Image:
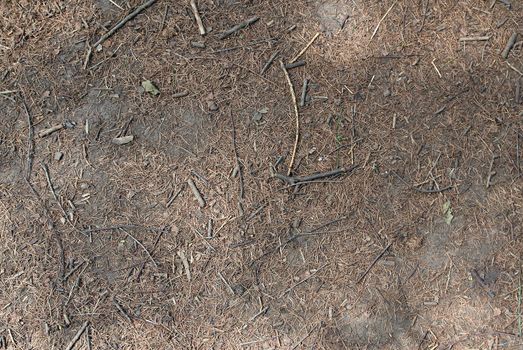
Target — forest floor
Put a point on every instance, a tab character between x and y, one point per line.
414	242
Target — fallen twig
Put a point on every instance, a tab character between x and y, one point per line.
269	62
117	227
514	69
77	336
382	19
238	163
294	64
510	44
30	140
297	113
299	54
53	192
114	29
474	38
491	172
196	13
297	180
422	190
304	92
141	245
238	27
303	280
122	310
196	193
49	131
376	259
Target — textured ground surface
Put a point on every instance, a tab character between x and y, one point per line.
419	247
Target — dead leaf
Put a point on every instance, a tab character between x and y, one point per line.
448	216
149	87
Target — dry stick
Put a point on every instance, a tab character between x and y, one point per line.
474	38
304	92
77	336
196	13
30	140
141	245
295	64
152	252
376	259
295	58
173	198
238	164
303	280
310	233
510	44
491	173
237	27
122	310
296	180
422	190
514	69
293	95
269	62
49	131
382	19
117	227
196	193
518	162
53	192
115	29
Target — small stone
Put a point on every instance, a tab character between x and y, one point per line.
58	156
84	186
198	44
257	116
386	93
212	106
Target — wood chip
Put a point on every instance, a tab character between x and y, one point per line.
123	140
49	131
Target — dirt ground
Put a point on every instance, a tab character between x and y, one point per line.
417	244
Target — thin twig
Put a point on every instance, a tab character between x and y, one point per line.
141	245
123	22
422	190
116	28
238	27
376	259
53	192
514	69
299	54
196	192
77	336
238	163
269	62
304	92
297	113
30	140
117	227
510	44
196	13
382	19
303	280
296	180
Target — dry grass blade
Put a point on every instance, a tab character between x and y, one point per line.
297	115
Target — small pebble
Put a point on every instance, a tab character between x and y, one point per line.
58	156
84	186
386	93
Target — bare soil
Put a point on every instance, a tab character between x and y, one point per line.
418	247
